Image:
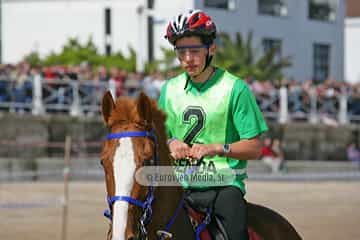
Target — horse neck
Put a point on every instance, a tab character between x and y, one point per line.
163	149
169	194
166	202
168	198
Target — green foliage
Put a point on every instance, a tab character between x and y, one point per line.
34	59
169	63
238	56
74	53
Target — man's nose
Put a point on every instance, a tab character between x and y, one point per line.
188	56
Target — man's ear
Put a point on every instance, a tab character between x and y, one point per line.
212	49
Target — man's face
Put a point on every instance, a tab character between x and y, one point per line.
191	53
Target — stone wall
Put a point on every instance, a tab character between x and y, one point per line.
301	141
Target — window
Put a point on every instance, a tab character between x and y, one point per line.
321	61
273	7
270	43
222	4
322	10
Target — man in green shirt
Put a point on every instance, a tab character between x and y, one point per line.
212	116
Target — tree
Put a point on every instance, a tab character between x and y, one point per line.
239	57
75	53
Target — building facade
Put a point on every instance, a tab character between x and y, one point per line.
311	31
352	40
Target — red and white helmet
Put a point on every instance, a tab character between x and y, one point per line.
192	23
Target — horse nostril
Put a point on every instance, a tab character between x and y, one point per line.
131	238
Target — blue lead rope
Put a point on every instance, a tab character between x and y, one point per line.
201	227
172	220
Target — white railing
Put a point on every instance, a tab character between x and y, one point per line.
76	98
40	96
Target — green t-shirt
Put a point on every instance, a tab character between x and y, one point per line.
221	110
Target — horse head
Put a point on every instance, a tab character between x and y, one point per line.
134	125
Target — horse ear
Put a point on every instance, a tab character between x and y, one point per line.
107	106
144	107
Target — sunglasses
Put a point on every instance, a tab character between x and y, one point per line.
192	50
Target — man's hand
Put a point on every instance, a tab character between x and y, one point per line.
179	149
205	150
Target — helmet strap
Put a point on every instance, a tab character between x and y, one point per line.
207	63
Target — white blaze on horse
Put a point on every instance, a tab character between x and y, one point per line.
137	138
123	176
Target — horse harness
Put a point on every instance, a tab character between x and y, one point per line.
147	204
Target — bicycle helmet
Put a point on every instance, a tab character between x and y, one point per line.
192	23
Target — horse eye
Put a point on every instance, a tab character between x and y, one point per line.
101	162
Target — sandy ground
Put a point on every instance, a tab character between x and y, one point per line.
318	210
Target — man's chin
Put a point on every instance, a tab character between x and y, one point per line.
192	73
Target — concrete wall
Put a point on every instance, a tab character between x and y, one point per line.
302	141
25	136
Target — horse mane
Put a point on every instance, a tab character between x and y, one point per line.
158	121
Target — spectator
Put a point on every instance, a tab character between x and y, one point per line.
102	74
353	154
279	153
272	155
119	79
73	72
133	83
149	87
152	84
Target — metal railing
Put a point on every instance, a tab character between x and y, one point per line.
39	96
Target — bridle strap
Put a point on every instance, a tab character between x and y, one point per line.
151	134
112	200
146	205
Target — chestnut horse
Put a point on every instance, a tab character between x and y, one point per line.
137	138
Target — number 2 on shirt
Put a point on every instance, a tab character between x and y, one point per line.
198	113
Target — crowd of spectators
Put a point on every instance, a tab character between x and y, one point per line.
300	93
15	85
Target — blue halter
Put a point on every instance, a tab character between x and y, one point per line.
151	134
147	204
